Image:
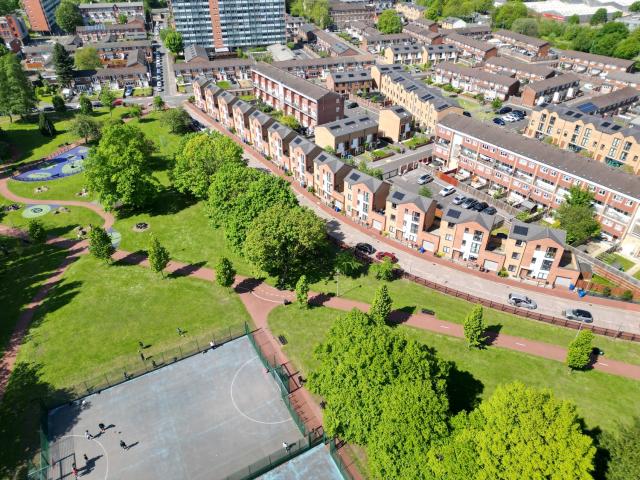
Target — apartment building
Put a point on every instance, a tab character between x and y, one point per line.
226	100
13	31
376	43
470	49
229	24
343	13
292	26
41	14
570	129
435	54
329	174
592	64
321	67
381	70
136	76
229	69
525	72
479	32
395	123
612	103
116	54
259	124
39	57
211	94
349	136
427	105
554	89
359	29
134	30
302	154
616	80
350	82
406	54
410	11
528	48
310	104
409	216
528	169
280	138
241	120
476	81
96	13
366	198
423	34
334	46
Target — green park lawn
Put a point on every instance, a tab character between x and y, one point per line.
64	188
412	297
602	399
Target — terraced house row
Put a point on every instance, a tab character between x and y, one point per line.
529	252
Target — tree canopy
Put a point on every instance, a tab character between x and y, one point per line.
525	26
87	58
86	127
474	327
16	93
100	245
578	221
86	107
316	11
381	305
624	451
599	16
225	273
158	256
173	41
63	64
389	22
580	348
505	15
119	167
68	16
177	119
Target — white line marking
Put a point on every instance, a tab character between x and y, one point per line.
443	326
603	364
233	400
521	344
106	455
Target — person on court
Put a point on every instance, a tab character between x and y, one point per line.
88	435
102	427
123	445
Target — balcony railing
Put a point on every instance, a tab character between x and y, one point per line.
611	213
545	186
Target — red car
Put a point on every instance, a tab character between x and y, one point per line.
117	102
382	255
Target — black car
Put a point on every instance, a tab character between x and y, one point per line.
490	211
521	113
352	105
365	248
480	206
504	110
466	114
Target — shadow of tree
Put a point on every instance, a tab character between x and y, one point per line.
463	390
492	332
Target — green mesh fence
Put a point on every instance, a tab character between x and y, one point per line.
333	451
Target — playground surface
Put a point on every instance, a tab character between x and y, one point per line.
63	165
205	417
315	464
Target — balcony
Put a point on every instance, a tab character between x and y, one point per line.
545	186
524	176
618	216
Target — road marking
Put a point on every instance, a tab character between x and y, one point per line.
603	364
443	326
521	344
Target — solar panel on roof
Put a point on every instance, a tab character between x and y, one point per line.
350	123
615	128
606	124
453	213
398	195
587	107
520	230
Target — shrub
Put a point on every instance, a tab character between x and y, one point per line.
503	273
627	295
606	291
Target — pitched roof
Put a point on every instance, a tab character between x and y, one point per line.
301	86
309	148
477	74
357	75
531	68
553	82
262	118
285	133
398	110
357	176
349	125
592	57
325	62
457	215
470	42
626	94
531	231
195	53
519	37
399	196
330	161
588	169
424	93
244	107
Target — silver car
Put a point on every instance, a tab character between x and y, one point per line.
519	300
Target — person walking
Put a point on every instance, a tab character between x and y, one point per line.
86	459
74	470
88	435
123	445
142	356
102	427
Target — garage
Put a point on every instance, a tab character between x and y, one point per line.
377	225
563	282
428	246
491	266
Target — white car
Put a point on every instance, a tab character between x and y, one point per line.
446	191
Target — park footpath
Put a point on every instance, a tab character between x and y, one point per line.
612	314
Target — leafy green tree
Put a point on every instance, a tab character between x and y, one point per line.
496	104
177	119
86	127
158	103
302	292
58	103
414	416
158	256
346	263
284	242
578	221
100	245
384	270
123	19
46	126
198	157
584	39
381	305
290	121
624	451
599	17
573	19
627	49
173	42
37	232
525	26
474	328
634	7
579	197
68	16
16	93
505	15
389	22
86	107
605	45
425	191
119	168
8	6
579	352
519	432
107	98
87	58
358	361
135	111
225	273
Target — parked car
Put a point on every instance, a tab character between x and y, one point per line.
466	114
446	191
504	110
426	178
578	314
468	203
96	104
382	255
519	300
48	109
519	112
499	121
128	91
490	210
365	248
510	118
480	206
117	102
352	105
458	199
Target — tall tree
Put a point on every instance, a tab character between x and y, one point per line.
519	432
135	111
579	197
384	270
87	58
158	103
122	18
599	16
624	451
578	221
474	327
16	93
158	256
68	16
100	245
173	42
119	168
505	15
8	6
107	97
46	126
86	127
63	64
58	103
302	292
525	26
389	22
86	107
225	273
579	352
177	119
37	232
285	242
198	157
381	305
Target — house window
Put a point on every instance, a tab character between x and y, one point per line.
446	249
519	243
511	268
448	237
515	255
